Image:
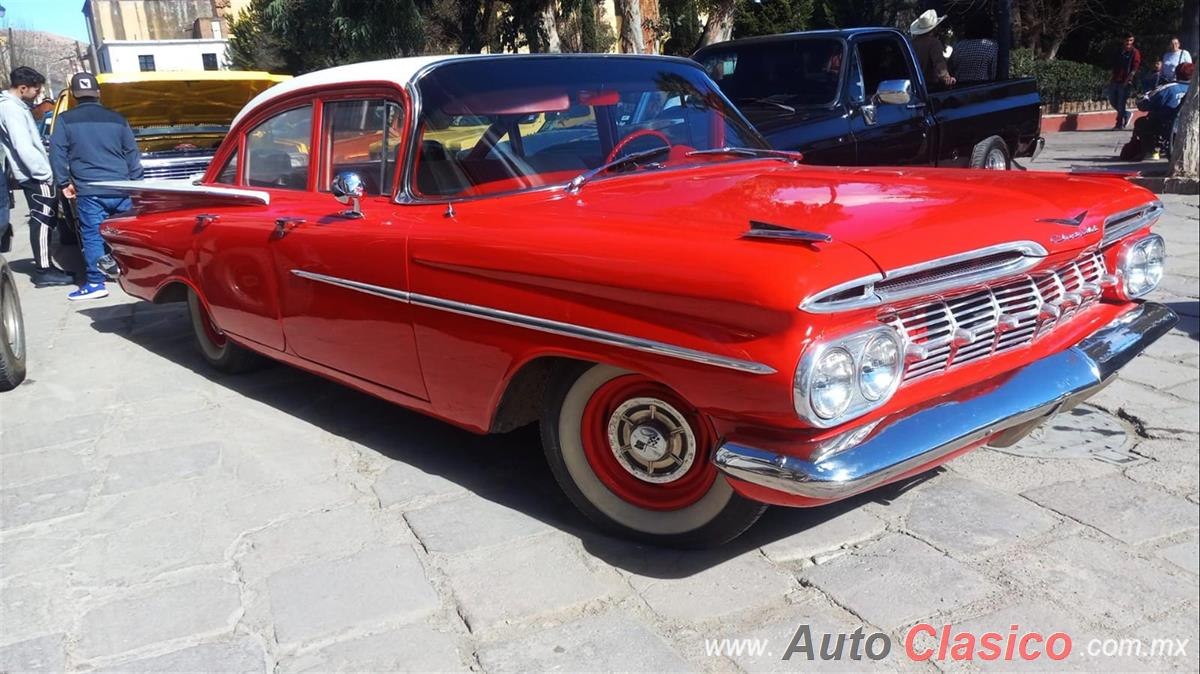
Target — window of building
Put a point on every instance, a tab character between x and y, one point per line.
210	61
216	29
146	63
277	151
362	136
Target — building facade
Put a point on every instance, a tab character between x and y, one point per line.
157	35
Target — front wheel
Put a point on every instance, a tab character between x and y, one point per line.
636	458
992	154
216	348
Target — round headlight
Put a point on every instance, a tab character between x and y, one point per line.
880	367
832	385
1141	265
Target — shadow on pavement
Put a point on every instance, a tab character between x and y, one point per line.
1189	317
507	469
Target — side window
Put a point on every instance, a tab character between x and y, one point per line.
882	59
363	137
229	172
277	151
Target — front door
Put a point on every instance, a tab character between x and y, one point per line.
886	134
342	278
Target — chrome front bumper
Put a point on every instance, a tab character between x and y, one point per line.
868	456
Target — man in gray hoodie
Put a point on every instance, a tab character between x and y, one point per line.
30	168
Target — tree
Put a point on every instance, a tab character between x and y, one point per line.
1185	147
774	16
719	26
630	14
251	45
1043	25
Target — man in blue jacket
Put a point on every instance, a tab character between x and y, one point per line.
91	144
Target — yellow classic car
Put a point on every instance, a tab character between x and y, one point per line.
178	118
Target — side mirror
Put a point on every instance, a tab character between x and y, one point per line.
347	188
894	92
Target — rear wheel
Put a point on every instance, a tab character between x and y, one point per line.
992	154
216	348
12	332
636	458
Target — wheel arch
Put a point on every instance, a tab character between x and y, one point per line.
523	392
175	290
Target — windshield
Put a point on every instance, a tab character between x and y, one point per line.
777	74
487	127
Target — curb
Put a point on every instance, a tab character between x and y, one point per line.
1100	120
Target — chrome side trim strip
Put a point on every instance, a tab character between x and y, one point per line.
1031	251
1121	224
866	457
543	324
378	291
590	334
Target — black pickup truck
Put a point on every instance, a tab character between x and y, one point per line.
856	97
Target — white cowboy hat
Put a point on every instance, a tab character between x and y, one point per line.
926	22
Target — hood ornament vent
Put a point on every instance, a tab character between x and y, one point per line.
1126	222
943	275
766	230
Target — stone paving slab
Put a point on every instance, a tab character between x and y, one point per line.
158	516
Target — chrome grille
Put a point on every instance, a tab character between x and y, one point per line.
952	331
175	170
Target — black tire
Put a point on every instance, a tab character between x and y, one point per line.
12	332
218	350
718	514
991	153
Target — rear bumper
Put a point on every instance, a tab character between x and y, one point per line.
924	436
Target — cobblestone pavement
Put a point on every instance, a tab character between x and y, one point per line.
159	516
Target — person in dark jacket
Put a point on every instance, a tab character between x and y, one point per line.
930	52
974	59
92	144
1125	66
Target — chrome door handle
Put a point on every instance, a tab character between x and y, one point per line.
205	219
285	225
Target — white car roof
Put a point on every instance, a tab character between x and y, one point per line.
398	71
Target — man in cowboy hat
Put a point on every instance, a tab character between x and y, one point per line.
931	54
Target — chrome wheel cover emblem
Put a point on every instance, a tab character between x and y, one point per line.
651	440
995	161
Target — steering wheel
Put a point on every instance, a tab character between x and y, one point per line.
641	133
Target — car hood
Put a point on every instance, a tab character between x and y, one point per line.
898	217
170	98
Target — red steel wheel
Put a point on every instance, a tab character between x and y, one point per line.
647	445
635	457
214	346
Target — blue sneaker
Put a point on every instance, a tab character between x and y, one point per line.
89	291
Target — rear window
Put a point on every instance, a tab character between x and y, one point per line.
793	72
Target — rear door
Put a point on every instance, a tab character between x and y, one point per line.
887	134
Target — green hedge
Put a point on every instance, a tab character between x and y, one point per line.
1060	81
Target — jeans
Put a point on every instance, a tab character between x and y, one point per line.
94	210
1118	96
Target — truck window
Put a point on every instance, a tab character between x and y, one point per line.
790	72
880	59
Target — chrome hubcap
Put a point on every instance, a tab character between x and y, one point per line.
651	440
995	161
12	322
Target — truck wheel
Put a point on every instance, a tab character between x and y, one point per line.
636	459
12	332
217	349
992	154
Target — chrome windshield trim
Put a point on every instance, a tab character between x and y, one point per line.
378	291
542	324
1122	224
1031	251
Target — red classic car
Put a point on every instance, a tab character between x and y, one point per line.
702	325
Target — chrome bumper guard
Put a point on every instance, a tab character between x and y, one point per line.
1038	146
868	456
